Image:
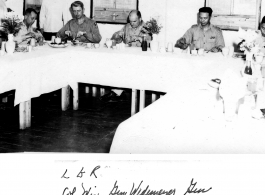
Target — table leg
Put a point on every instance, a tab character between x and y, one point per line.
87	89
94	91
102	91
65	98
4	100
142	99
28	113
25	114
75	97
154	97
134	102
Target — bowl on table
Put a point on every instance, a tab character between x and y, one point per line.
60	45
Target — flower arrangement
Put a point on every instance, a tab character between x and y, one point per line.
11	24
252	50
151	27
248	44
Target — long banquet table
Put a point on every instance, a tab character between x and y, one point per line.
187	125
47	69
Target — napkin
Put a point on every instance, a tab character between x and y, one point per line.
232	87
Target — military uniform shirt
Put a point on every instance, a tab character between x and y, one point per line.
207	40
89	26
128	33
260	41
20	38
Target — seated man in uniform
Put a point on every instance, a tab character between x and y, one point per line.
259	111
130	34
27	31
80	28
260	41
204	35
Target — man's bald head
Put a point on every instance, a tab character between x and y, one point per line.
135	18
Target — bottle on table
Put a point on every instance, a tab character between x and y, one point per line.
41	41
248	69
144	44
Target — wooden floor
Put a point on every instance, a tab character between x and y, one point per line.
90	129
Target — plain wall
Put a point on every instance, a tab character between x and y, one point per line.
15	5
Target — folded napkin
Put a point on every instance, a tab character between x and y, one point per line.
232	87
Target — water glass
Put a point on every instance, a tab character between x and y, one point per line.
201	52
32	42
29	48
225	51
170	47
231	51
41	43
89	45
194	52
53	39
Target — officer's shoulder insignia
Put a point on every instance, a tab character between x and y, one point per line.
194	26
217	28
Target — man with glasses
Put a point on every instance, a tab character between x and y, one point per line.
80	28
204	35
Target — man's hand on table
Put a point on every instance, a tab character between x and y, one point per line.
80	33
215	50
30	35
181	43
68	33
120	33
137	38
131	39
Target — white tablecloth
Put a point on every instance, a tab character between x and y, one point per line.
48	69
187	124
32	74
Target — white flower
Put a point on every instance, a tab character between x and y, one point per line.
14	15
249	36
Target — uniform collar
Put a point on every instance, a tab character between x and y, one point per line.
140	25
84	17
26	27
210	26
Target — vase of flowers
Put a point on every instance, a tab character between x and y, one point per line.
250	47
10	44
153	29
10	26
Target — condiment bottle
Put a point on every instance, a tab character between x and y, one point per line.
248	69
144	44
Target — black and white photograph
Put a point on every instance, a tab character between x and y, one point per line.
105	78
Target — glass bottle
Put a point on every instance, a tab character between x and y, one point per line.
144	44
248	69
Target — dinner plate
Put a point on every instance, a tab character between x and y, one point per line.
58	46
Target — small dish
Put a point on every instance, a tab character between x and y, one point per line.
58	45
